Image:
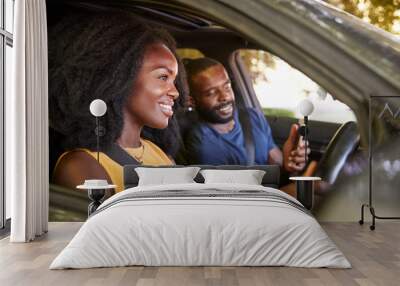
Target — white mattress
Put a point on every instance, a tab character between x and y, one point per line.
183	231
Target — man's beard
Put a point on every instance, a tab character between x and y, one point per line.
212	116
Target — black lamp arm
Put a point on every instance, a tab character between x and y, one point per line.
97	139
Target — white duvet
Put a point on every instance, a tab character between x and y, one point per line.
183	231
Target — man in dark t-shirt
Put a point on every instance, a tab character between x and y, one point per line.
218	137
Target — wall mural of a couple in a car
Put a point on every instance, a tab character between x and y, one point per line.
143	83
162	109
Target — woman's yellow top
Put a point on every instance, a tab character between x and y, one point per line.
148	154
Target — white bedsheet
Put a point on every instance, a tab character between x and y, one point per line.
200	231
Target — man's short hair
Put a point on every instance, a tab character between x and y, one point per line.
196	66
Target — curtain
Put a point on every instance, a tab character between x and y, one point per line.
27	122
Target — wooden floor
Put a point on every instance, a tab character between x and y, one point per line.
375	257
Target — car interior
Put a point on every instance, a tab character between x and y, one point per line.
196	33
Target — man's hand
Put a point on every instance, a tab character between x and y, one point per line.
294	151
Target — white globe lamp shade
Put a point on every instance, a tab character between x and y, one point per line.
306	107
98	107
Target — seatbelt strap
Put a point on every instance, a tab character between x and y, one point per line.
248	135
119	155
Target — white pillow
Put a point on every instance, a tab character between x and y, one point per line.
248	177
164	176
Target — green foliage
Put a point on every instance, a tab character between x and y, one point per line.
256	61
279	112
384	14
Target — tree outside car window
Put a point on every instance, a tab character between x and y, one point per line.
384	14
269	74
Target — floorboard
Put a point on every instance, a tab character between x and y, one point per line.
374	255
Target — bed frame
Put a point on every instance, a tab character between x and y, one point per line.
270	179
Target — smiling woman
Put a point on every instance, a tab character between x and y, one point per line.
129	65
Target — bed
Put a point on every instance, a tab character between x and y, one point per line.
201	224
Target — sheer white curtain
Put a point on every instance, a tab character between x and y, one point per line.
27	123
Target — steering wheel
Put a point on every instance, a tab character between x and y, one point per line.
342	144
